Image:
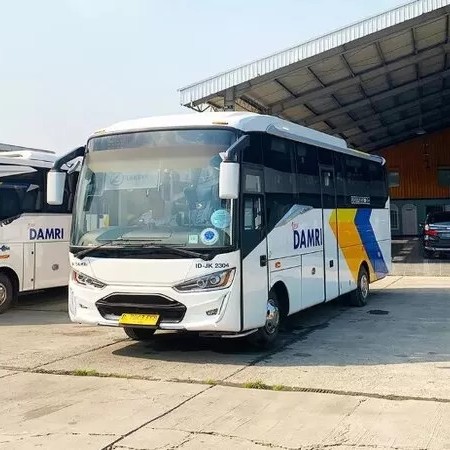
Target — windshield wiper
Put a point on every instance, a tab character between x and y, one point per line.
80	254
176	250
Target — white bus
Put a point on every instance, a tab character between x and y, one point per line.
34	236
221	223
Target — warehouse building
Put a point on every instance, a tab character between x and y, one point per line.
381	84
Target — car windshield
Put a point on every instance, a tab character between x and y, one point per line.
156	186
441	217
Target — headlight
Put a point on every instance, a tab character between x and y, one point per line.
86	280
212	281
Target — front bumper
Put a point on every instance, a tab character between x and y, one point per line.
437	249
211	311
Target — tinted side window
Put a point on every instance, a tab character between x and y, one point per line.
307	175
325	156
253	153
442	217
357	181
340	179
279	178
328	188
21	193
278	154
378	189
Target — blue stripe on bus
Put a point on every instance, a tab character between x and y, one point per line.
369	240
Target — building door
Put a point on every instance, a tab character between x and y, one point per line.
409	220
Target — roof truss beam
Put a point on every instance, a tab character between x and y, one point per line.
408	134
381	96
387	112
371	133
357	79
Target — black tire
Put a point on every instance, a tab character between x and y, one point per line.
139	334
267	335
7	294
428	254
360	295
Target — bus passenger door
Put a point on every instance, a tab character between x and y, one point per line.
28	266
330	238
254	262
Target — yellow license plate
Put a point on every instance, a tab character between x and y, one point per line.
139	319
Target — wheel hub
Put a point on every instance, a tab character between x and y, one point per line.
364	286
273	317
2	294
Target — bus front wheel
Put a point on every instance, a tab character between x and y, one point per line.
139	334
267	335
6	293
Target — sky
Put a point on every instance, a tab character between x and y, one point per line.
69	67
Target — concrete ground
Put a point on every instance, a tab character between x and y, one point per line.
374	377
408	260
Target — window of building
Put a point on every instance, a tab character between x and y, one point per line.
394	218
394	178
444	176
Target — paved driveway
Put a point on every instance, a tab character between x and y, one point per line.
408	260
374	377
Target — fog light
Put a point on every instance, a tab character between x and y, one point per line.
72	304
212	312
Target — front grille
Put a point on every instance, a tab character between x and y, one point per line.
118	304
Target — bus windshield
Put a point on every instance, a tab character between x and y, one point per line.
154	186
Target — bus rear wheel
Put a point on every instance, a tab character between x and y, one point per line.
6	293
360	295
139	334
267	335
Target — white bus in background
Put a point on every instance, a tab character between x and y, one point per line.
34	236
221	223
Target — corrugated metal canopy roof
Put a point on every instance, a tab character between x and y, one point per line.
374	83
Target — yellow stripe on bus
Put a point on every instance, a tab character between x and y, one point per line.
349	241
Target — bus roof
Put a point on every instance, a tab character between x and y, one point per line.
32	158
244	121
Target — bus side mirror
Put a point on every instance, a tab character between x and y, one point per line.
55	187
229	180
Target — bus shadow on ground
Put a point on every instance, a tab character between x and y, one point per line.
48	300
38	308
397	326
